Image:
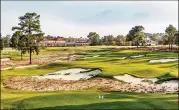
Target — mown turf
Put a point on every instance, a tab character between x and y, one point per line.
88	100
111	64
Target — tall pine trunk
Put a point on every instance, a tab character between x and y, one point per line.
30	55
137	44
21	54
171	46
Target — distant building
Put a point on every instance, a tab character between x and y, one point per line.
52	42
150	42
82	42
59	41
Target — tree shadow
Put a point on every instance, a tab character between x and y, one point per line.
111	100
107	105
54	65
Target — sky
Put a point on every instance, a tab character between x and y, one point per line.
78	18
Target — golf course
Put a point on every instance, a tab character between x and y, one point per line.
70	55
111	60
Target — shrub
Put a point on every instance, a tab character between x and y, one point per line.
67	74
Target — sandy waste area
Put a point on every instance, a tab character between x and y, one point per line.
80	79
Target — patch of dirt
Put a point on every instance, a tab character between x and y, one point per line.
35	84
39	61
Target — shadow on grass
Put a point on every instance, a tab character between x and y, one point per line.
55	65
107	105
166	77
100	51
170	66
111	100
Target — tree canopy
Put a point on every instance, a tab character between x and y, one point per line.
120	40
170	35
108	40
94	38
29	26
6	40
136	35
1	44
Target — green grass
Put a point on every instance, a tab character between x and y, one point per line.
111	64
87	100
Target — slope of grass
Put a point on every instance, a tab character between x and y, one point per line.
88	100
110	63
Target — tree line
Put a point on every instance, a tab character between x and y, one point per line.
135	37
28	34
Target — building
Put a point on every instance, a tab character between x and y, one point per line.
150	42
82	42
52	42
60	42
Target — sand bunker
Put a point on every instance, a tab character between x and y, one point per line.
166	87
105	84
71	57
71	74
63	57
162	60
134	80
26	66
5	59
6	68
77	55
96	56
171	83
137	56
91	57
123	58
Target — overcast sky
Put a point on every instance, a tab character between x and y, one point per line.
78	18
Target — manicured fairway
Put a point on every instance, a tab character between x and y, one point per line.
109	60
87	100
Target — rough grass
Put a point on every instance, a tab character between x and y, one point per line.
110	63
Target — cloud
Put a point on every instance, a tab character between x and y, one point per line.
141	15
78	18
106	12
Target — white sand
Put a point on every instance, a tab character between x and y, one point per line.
63	57
137	56
162	60
71	71
168	86
92	57
77	56
6	68
96	56
133	80
172	83
71	74
5	59
123	58
26	66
